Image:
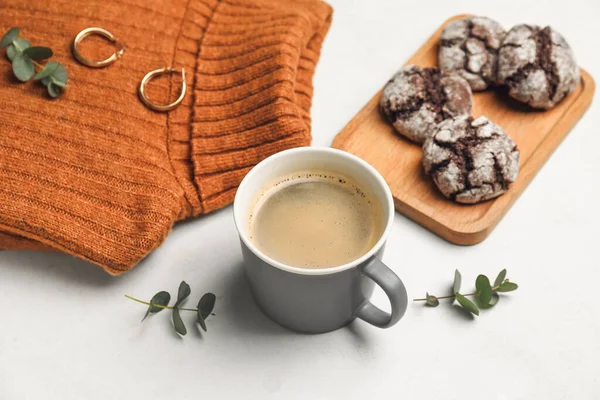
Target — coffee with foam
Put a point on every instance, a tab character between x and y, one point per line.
315	220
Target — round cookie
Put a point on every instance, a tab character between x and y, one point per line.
416	99
469	47
538	66
471	160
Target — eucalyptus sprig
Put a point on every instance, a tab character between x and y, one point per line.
161	300
24	59
486	295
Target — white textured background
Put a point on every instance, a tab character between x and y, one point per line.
67	332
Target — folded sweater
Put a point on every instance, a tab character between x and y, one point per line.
97	174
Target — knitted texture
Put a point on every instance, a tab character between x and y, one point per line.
98	175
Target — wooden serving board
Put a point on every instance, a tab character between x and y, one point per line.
537	133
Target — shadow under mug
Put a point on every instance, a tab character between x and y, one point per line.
319	300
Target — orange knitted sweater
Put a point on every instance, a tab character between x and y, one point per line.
98	175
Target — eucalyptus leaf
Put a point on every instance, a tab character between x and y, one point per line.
183	293
23	67
59	83
200	319
22	44
162	299
493	300
500	278
431	301
47	71
467	304
38	52
457	282
484	289
508	287
9	37
178	322
45	81
53	90
206	304
60	74
11	51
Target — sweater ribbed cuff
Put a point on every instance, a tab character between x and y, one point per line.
250	94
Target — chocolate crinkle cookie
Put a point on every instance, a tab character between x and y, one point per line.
416	99
538	66
469	46
471	160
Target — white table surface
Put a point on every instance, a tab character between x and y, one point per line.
67	332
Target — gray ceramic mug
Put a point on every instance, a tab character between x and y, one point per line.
319	300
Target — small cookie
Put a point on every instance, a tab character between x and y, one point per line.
416	99
471	160
469	47
538	66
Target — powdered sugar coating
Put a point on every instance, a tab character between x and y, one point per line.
416	99
469	47
538	66
471	160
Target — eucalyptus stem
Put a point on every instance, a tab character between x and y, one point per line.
158	305
26	63
160	301
486	295
453	296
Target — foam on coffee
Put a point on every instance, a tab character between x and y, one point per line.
315	220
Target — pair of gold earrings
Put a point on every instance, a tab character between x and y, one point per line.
115	56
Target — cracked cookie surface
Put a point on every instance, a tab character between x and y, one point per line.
471	160
416	99
538	66
469	47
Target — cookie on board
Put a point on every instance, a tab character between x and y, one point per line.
538	66
471	160
469	47
416	99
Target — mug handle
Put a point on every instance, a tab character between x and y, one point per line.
393	287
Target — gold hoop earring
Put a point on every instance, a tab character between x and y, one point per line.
102	32
152	74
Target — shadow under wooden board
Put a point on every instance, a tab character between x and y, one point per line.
537	133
